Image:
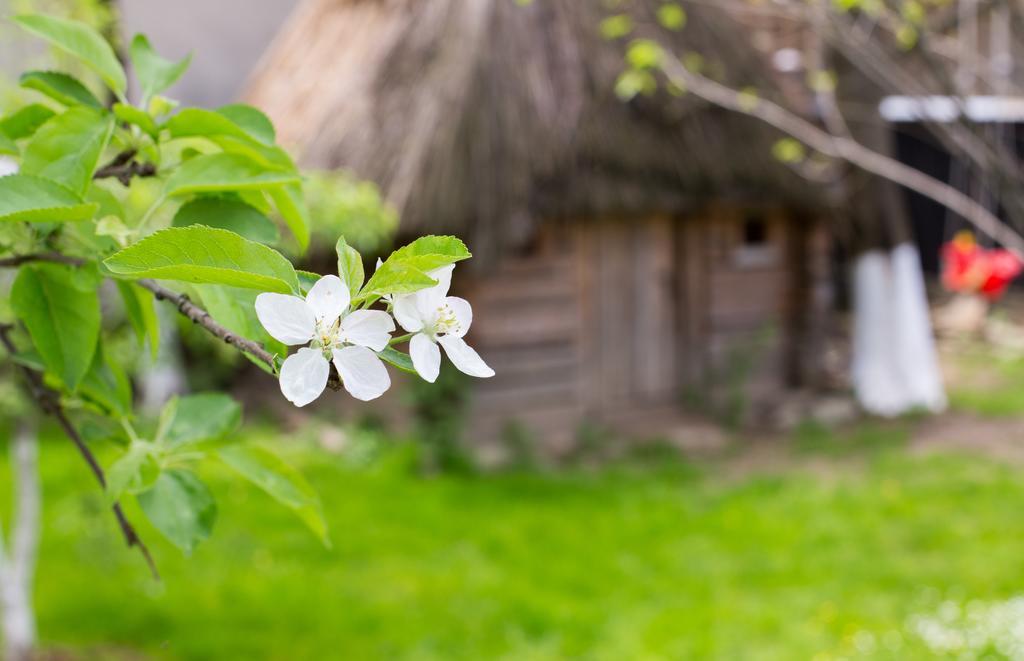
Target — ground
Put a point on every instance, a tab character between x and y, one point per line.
883	540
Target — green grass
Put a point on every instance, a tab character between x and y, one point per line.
987	383
617	564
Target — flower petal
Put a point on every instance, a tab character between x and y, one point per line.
426	357
304	376
328	299
407	313
463	312
287	318
465	357
362	372
367	328
430	299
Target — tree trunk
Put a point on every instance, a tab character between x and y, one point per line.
17	568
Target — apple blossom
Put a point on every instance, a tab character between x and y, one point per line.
347	337
436	318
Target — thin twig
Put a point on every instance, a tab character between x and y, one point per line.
18	260
182	302
201	317
845	149
123	167
49	402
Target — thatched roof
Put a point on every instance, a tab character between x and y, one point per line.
483	117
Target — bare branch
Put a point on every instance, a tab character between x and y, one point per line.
18	260
123	167
49	402
845	149
201	317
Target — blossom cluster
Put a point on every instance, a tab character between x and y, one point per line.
333	332
967	268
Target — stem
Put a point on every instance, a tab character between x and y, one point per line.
400	339
201	317
129	429
49	402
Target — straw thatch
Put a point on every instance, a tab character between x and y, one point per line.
486	117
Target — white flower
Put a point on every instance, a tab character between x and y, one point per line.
437	318
349	338
8	166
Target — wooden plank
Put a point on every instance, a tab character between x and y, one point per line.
615	311
694	290
654	333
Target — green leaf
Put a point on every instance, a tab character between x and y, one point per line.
61	311
135	471
107	386
204	417
229	214
141	310
395	277
251	120
81	41
181	507
350	266
8	146
132	115
155	73
672	16
400	360
431	252
224	172
200	123
26	121
200	254
62	88
292	207
25	198
67	148
282	482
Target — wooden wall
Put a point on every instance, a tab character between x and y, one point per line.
613	321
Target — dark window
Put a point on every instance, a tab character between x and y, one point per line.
755	231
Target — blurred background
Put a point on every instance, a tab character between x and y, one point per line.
759	392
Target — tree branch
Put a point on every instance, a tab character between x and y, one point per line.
845	149
49	402
123	167
201	317
18	260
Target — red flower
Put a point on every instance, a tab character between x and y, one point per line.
969	269
1003	267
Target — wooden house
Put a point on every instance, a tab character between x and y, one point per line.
631	256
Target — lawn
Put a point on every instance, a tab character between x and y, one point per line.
849	559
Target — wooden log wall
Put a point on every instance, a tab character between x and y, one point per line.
606	320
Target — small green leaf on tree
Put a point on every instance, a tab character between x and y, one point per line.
228	213
68	147
32	199
200	254
202	418
350	266
137	117
80	41
141	311
225	172
181	507
251	120
61	311
62	88
154	72
25	122
282	482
